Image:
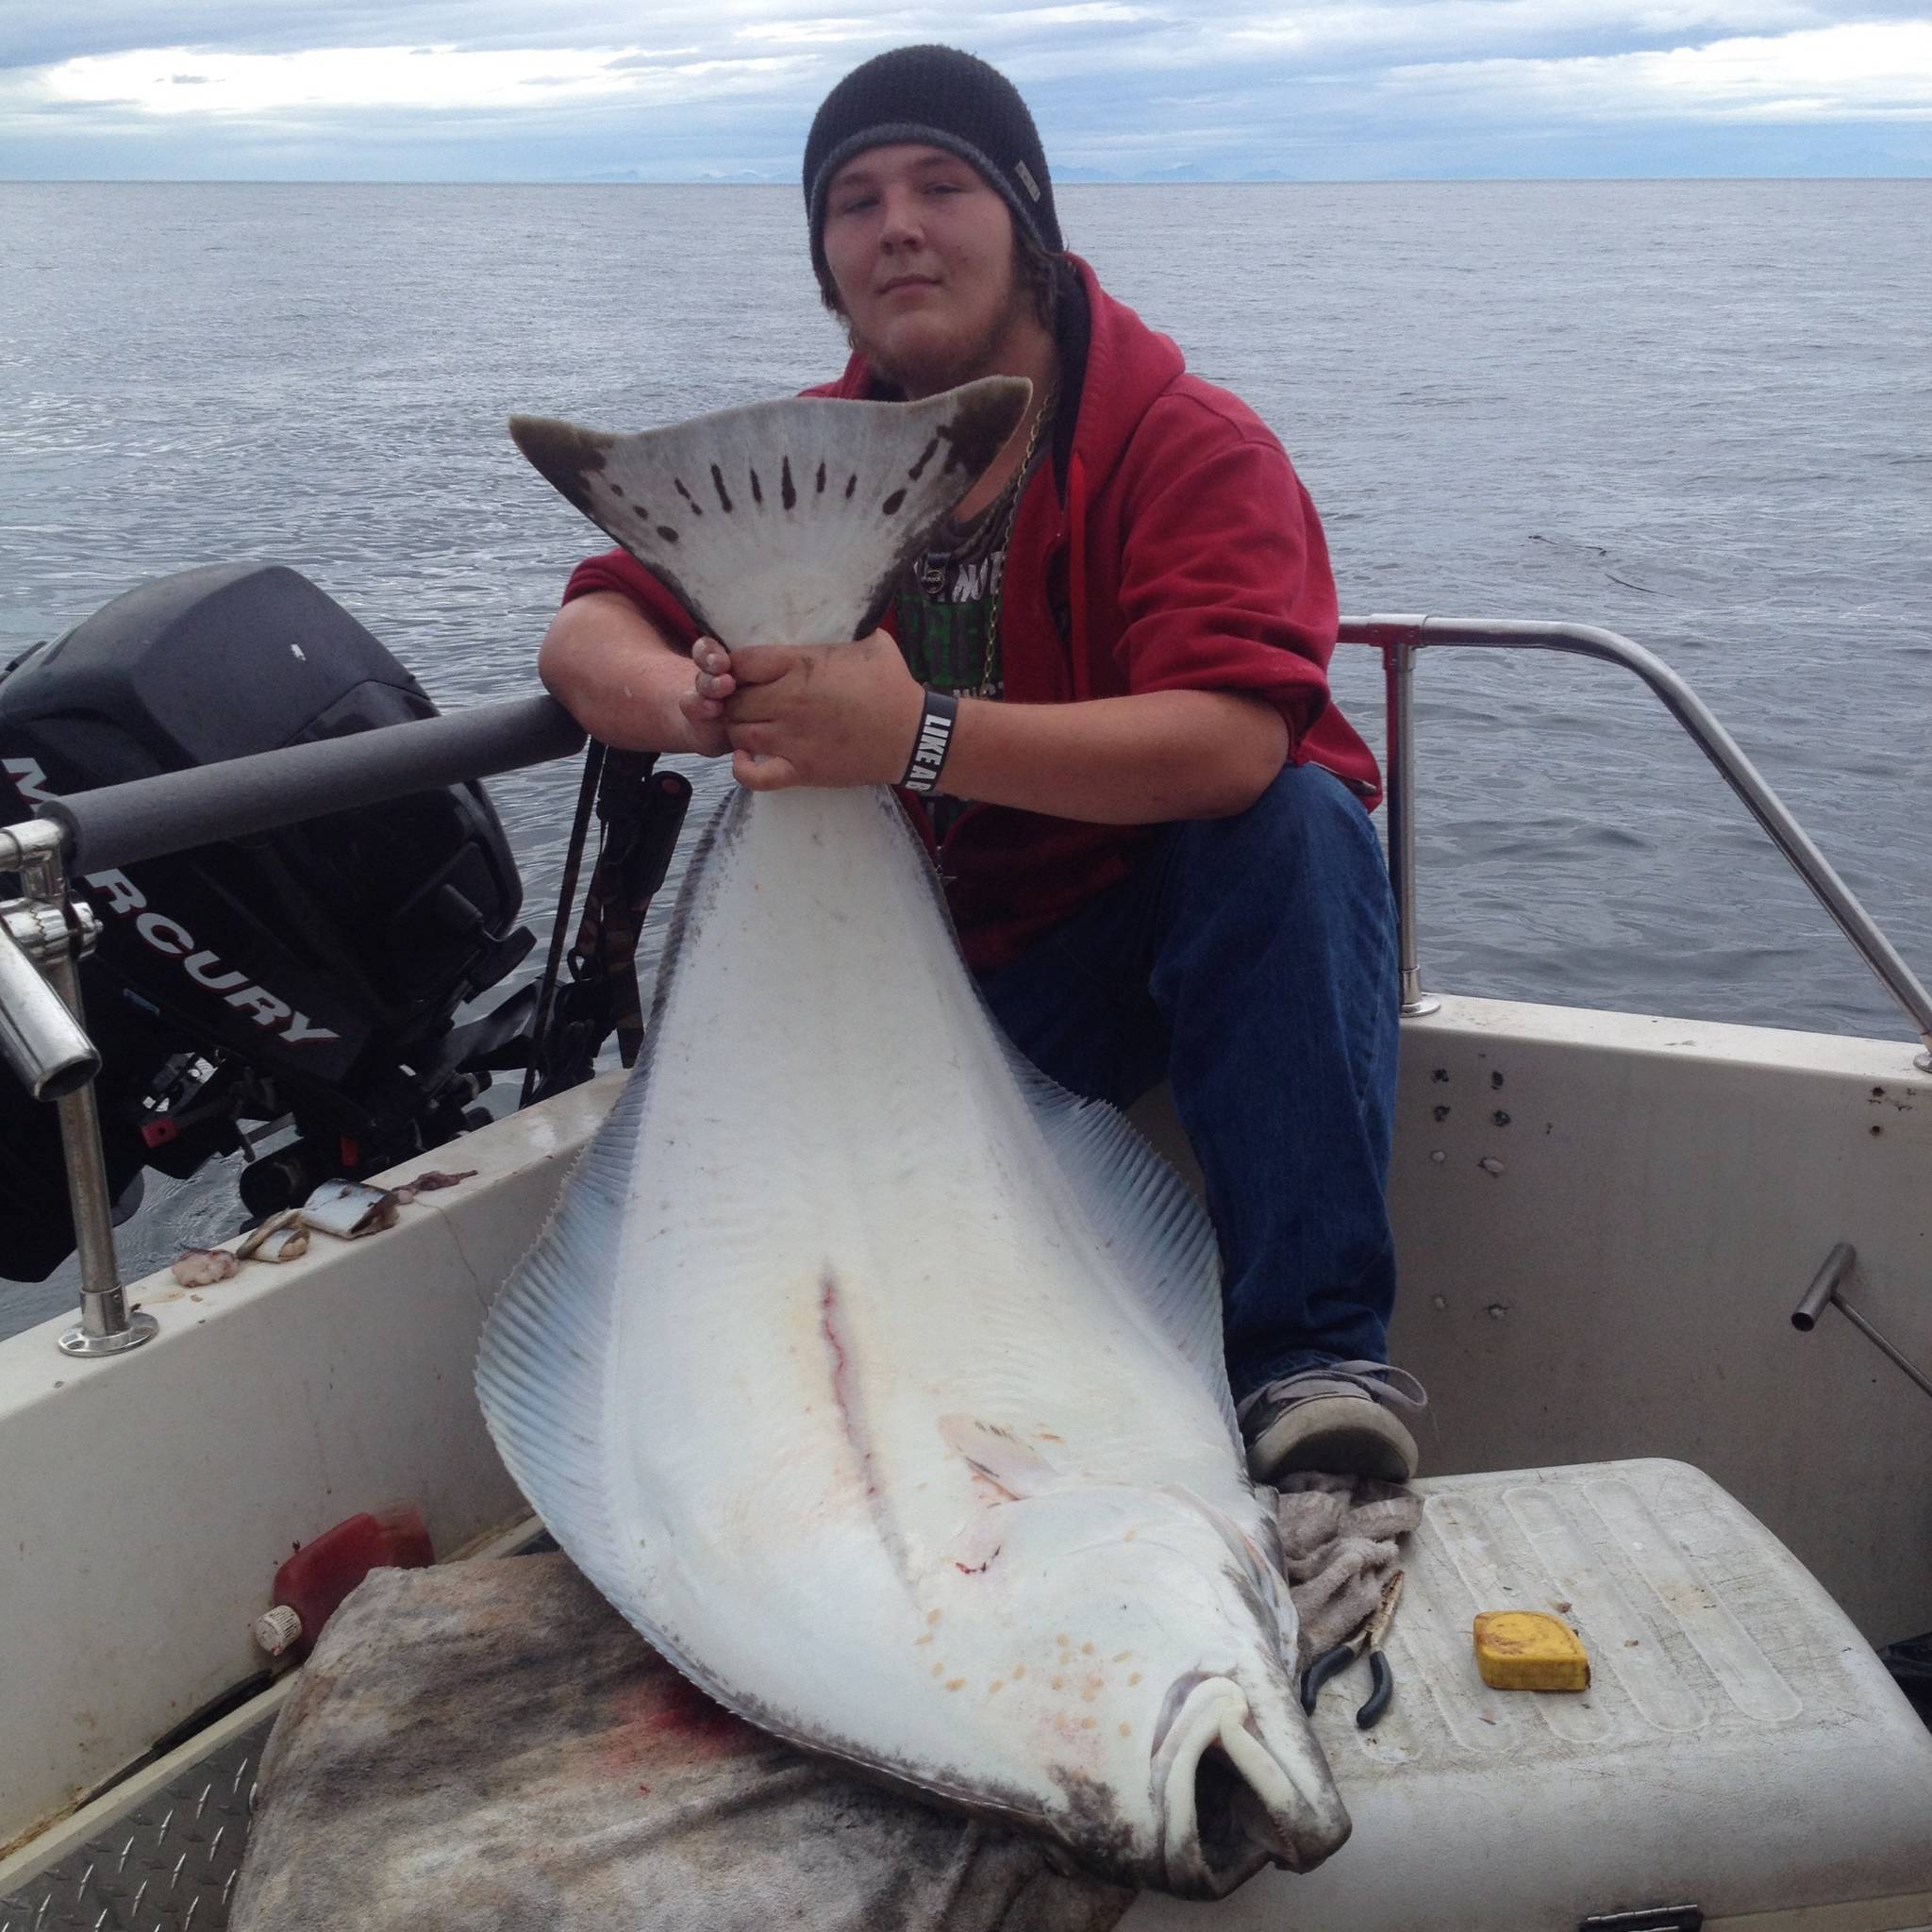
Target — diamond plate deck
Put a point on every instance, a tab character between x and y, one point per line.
168	1866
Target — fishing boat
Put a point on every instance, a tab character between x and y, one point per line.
1669	1282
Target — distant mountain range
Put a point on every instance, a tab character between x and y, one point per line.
754	177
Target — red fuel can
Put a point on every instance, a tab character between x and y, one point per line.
313	1582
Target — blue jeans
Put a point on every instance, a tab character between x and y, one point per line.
1251	961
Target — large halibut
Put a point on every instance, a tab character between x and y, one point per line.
874	1378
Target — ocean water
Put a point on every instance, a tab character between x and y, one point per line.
1698	412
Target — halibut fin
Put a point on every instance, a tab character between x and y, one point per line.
541	1365
1146	1216
786	523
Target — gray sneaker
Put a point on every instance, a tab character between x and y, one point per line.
1337	1418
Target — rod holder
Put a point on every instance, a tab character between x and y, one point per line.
1824	1293
42	937
1825	1288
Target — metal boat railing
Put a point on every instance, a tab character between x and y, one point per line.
1400	638
43	933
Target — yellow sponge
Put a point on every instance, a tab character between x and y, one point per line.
1524	1650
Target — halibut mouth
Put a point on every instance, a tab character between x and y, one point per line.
1228	1805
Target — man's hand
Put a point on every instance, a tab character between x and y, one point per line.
810	714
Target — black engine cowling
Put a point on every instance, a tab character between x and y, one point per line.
312	972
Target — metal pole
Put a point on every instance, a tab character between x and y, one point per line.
40	1038
1396	637
106	1326
1718	745
176	811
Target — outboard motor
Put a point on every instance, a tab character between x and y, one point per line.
313	973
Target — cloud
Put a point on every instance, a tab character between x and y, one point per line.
808	33
728	86
1848	73
377	79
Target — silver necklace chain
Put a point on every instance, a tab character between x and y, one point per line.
988	673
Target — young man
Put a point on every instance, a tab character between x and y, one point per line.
1151	823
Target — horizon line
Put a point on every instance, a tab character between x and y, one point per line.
792	187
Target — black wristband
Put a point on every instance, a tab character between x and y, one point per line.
934	741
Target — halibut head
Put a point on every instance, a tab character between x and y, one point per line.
876	1379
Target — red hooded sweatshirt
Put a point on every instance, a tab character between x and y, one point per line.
1188	556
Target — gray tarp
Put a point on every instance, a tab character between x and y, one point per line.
488	1747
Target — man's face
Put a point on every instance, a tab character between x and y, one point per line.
921	250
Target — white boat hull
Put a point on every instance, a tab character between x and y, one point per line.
1622	1286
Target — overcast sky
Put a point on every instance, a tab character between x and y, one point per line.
688	90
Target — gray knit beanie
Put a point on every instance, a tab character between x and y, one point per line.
942	98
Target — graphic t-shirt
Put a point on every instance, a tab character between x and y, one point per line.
946	612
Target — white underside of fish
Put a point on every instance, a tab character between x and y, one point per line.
879	1383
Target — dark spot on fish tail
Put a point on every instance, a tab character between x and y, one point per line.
718	483
851	484
891	504
665	531
560	450
617	491
925	455
697	509
787	494
822	479
757	493
979	431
